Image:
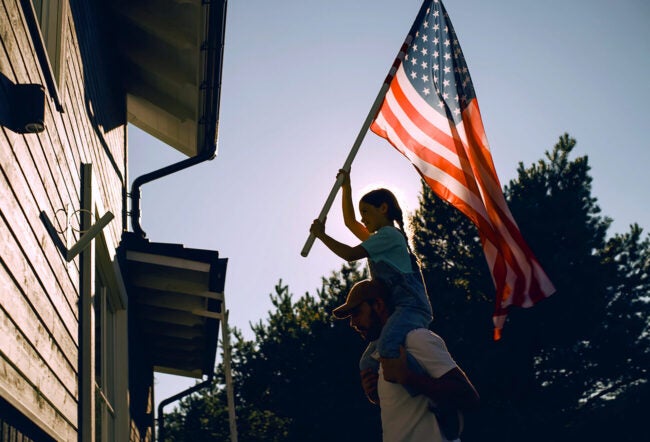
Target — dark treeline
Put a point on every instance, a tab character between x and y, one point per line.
574	367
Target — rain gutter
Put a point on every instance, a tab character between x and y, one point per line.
213	47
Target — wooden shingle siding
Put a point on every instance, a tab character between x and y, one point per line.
39	290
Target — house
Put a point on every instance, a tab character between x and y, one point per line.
90	307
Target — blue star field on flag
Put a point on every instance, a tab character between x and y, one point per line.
435	65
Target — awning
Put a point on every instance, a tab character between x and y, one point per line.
176	296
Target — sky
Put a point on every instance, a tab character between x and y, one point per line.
299	78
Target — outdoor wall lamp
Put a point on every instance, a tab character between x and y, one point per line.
22	108
27	108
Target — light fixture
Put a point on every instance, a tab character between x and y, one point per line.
28	108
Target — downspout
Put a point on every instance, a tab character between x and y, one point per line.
169	400
212	87
151	176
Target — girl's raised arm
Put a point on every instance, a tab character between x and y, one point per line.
358	229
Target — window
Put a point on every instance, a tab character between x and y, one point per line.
49	15
14	426
105	369
46	22
103	343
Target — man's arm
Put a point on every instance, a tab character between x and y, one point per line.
451	390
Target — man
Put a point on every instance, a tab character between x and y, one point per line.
445	389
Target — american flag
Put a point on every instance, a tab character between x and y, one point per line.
430	114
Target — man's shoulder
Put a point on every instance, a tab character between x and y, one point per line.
423	333
430	351
425	340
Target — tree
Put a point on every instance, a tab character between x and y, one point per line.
297	380
537	380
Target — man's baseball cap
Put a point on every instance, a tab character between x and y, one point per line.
360	292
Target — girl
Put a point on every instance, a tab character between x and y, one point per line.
384	243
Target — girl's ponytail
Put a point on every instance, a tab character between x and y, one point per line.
415	263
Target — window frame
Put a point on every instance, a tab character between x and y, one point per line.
105	345
52	67
98	267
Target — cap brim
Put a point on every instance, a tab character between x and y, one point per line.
342	312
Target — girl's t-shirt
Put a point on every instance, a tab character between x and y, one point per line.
388	244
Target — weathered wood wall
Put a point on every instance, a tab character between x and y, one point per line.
39	290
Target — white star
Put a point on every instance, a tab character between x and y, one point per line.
445	95
426	91
436	67
425	38
435	40
447	42
424	65
414	61
415	48
447	56
446	69
457	111
426	24
414	75
424	51
436	54
436	27
425	78
436	14
441	104
445	83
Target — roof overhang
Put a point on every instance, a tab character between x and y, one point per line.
175	303
170	54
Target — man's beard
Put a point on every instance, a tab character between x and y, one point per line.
374	330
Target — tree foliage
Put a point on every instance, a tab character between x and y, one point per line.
297	380
575	366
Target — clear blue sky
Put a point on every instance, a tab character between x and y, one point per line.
299	78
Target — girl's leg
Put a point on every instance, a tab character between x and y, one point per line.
399	324
393	335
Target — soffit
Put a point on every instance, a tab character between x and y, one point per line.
170	54
175	303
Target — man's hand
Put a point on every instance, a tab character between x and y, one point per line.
395	369
369	384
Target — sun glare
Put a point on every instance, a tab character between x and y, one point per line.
407	198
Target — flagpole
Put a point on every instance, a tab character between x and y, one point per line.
357	143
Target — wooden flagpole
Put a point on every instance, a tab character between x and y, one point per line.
357	143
